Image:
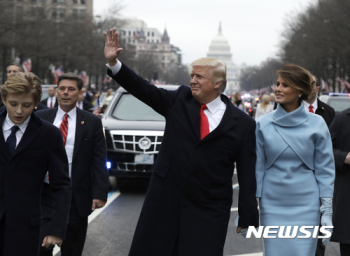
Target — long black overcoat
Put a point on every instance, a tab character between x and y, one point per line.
21	179
190	194
340	129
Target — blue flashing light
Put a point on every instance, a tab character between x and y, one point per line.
109	165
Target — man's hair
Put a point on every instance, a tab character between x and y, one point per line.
71	76
218	72
15	64
297	77
23	83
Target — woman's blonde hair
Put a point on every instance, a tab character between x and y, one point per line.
23	83
265	102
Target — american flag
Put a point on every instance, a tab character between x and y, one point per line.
83	76
324	85
107	80
27	65
56	73
97	108
344	83
97	111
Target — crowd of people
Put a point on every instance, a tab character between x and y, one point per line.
293	161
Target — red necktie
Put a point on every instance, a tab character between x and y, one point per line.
51	103
310	109
204	123
64	128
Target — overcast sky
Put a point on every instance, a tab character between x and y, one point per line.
253	27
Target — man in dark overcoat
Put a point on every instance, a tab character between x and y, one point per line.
339	129
314	105
187	206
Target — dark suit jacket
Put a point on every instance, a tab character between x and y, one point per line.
45	102
89	173
339	129
22	176
326	111
190	193
87	106
88	97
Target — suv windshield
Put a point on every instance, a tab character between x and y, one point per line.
339	103
131	109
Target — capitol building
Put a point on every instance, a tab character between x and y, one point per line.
220	49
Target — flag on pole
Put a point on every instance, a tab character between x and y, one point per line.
324	86
27	65
97	108
56	73
83	76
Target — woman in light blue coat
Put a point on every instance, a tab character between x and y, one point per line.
295	166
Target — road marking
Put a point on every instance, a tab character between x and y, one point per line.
111	197
250	254
235	185
234	209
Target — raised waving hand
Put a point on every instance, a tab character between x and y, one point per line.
112	49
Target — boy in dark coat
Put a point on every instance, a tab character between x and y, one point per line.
29	147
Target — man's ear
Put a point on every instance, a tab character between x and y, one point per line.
218	85
3	99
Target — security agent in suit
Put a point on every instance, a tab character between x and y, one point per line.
51	101
86	95
314	105
86	151
84	104
339	130
29	147
10	70
187	206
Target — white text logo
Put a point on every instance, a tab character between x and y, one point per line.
269	232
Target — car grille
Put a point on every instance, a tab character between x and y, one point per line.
129	141
132	167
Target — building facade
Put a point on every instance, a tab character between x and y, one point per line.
141	40
54	9
220	49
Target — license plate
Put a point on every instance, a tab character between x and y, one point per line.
144	159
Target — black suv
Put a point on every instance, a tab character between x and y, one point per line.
134	134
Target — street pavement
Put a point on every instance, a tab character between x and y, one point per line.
111	230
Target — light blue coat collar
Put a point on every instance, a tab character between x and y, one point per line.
294	118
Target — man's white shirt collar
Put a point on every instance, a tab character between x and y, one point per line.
215	105
72	114
307	105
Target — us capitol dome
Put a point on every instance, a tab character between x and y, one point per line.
220	49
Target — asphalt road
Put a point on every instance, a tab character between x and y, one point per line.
110	232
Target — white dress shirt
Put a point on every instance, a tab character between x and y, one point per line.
53	99
72	122
7	125
80	104
307	105
215	111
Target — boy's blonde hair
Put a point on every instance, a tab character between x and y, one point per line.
23	83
